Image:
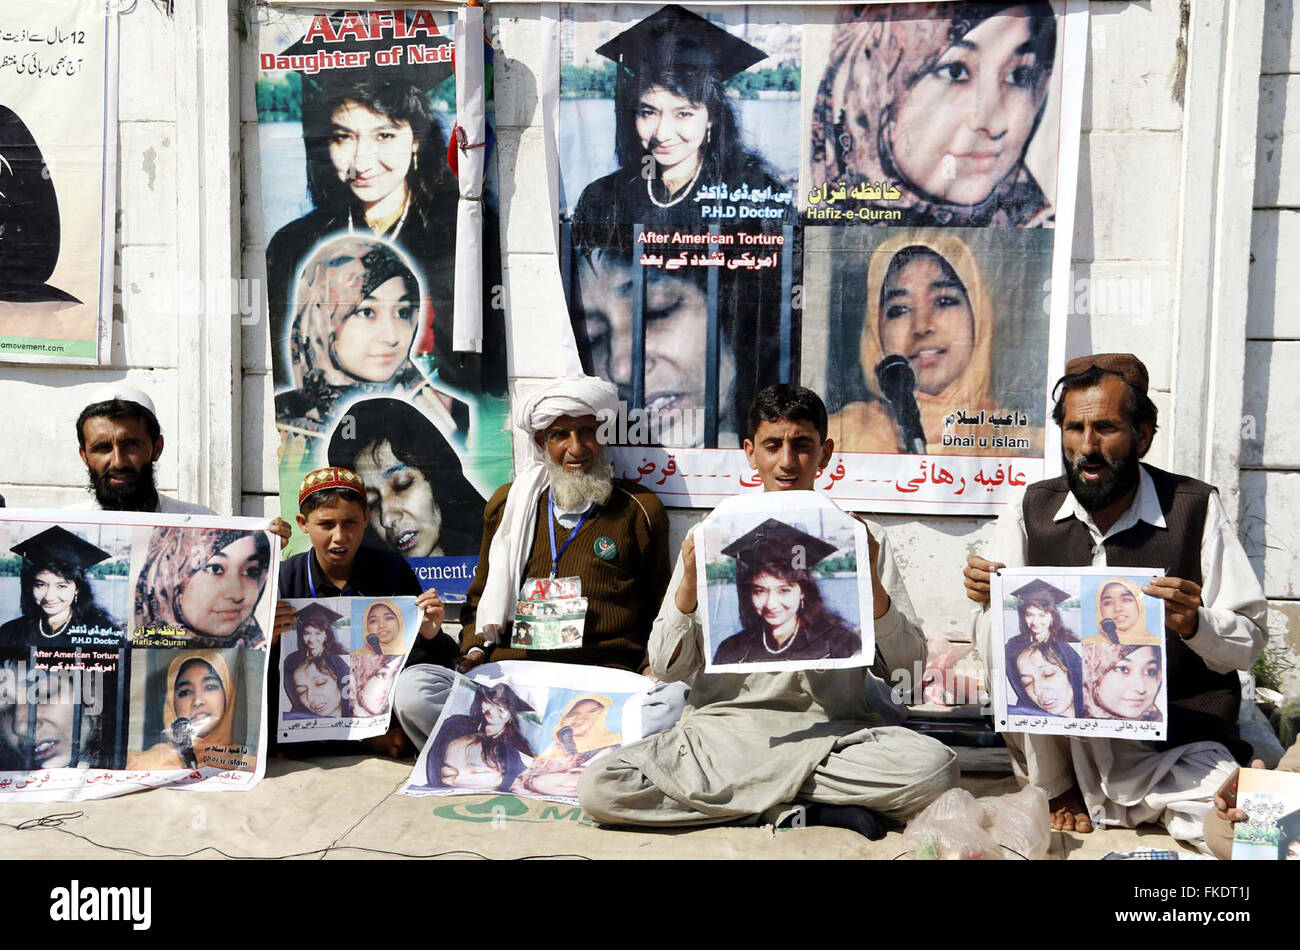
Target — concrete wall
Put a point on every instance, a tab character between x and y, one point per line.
1270	448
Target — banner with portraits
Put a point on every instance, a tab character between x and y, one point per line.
528	728
1079	651
873	200
356	112
339	664
58	180
786	585
132	652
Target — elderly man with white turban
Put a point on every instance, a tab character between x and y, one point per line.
564	515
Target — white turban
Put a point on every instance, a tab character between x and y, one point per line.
513	541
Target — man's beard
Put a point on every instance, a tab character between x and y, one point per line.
141	495
1122	476
575	491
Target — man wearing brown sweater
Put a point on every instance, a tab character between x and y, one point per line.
564	516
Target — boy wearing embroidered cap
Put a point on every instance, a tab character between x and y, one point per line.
332	510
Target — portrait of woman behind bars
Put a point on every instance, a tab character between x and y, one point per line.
684	166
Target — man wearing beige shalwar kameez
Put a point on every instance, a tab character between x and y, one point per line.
1119	512
750	745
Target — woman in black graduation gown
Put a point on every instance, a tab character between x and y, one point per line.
683	167
55	597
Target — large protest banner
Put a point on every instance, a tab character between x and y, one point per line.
355	112
872	200
132	652
58	179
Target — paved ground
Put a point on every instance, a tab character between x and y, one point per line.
344	807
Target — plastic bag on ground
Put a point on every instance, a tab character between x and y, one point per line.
951	828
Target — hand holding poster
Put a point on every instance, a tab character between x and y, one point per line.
134	653
528	728
1079	652
782	585
339	665
1271	831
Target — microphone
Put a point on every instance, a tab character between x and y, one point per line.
182	736
565	738
898	383
1108	628
372	641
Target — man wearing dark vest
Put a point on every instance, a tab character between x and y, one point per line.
1108	509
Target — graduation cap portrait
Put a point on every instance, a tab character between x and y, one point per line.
784	593
55	598
1039	608
315	626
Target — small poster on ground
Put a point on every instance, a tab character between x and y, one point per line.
528	728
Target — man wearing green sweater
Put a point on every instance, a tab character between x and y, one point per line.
564	516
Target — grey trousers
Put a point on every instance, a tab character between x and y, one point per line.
889	769
422	691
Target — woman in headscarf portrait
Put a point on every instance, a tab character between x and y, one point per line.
1122	614
581	735
1122	682
356	310
927	302
421	504
54	593
485	749
198	717
940	100
382	627
202	585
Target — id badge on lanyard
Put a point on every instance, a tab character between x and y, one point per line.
549	614
550	611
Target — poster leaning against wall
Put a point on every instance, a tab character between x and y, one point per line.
873	201
58	178
132	652
356	111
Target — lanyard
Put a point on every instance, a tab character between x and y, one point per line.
555	555
311	581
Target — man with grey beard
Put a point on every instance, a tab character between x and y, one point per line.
1109	509
564	516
